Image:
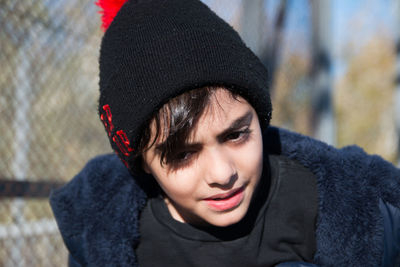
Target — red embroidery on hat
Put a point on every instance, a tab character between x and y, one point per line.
125	163
108	124
127	146
119	138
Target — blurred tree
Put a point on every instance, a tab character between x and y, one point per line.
364	99
397	78
291	98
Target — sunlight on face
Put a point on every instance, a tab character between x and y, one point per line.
215	178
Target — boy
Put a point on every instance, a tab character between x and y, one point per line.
207	181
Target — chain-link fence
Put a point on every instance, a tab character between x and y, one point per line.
49	125
48	103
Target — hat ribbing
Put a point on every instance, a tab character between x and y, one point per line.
155	50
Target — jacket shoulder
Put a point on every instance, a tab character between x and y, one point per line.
102	198
350	184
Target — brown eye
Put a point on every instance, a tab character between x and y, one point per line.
234	135
182	159
182	156
237	135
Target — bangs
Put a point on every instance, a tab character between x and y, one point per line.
171	127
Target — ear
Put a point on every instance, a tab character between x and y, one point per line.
145	166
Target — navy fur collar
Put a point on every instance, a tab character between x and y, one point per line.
97	212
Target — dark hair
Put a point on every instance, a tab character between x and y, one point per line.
175	120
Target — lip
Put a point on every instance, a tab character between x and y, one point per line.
226	201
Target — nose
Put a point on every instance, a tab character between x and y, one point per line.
221	170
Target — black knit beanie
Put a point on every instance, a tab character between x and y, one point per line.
155	50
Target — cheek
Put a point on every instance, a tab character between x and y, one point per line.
250	158
178	185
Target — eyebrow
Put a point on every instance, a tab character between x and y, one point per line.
244	120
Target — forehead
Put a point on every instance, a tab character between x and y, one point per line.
223	106
223	109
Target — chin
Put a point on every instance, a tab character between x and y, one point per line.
228	218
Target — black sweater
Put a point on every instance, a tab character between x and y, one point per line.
358	218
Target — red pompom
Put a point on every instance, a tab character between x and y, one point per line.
110	10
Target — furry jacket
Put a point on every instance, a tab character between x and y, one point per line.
358	219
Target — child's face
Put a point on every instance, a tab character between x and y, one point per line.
216	175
